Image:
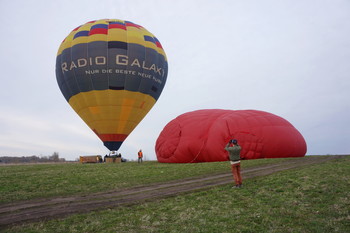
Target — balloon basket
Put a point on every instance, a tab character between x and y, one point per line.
113	160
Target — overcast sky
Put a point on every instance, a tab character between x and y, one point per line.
287	57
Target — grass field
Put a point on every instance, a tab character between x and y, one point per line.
23	182
308	199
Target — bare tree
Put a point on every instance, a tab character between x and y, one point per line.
55	157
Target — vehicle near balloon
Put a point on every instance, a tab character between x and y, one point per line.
200	136
90	159
111	72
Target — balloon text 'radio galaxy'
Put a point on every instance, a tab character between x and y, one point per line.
102	61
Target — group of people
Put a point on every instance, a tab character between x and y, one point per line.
234	151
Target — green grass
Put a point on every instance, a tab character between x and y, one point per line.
308	199
24	182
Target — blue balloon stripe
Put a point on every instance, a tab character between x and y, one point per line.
81	33
104	26
149	38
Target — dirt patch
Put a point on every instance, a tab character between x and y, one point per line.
40	209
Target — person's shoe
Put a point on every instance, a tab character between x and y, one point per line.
236	186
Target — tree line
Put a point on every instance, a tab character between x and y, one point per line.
32	159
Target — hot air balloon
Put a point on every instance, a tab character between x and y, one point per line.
111	72
200	136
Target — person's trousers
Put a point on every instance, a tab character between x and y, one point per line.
236	171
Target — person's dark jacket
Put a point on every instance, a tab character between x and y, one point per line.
234	152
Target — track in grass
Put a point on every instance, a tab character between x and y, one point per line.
40	209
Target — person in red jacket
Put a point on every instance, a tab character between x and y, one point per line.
140	156
234	151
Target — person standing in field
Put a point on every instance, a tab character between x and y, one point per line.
140	156
234	151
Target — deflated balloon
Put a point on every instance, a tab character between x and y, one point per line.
111	72
200	136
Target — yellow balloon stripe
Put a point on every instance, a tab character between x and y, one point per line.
112	111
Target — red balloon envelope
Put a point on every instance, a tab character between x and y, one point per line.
200	136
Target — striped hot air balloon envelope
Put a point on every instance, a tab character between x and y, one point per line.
111	72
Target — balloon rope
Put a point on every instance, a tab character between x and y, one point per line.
198	152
